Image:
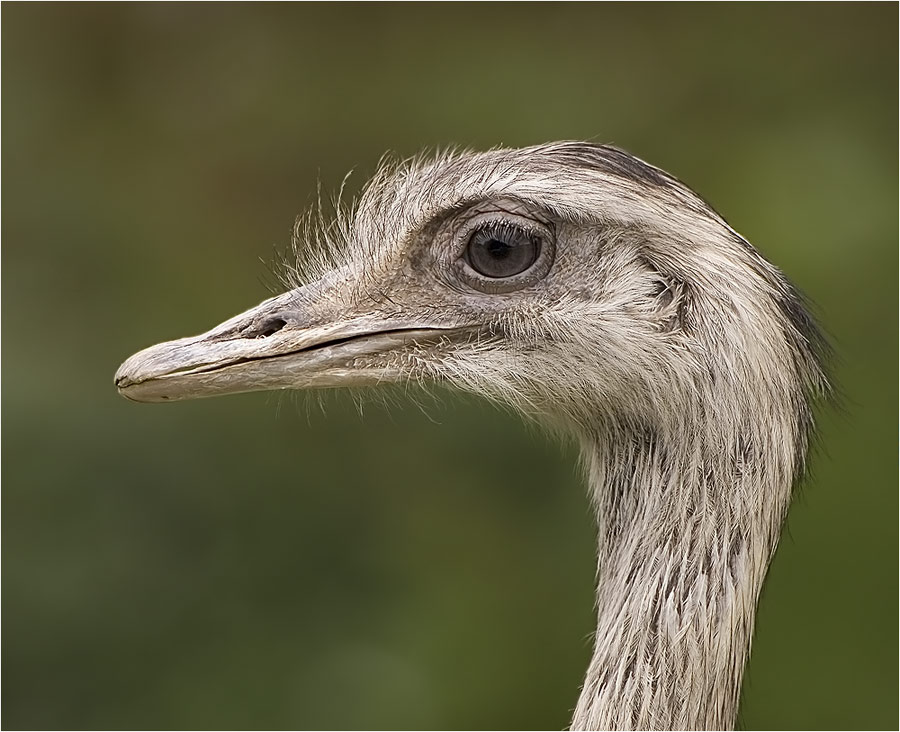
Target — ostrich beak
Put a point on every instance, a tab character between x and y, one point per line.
276	345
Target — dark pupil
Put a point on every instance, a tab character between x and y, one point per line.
502	252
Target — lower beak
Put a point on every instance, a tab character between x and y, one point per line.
274	346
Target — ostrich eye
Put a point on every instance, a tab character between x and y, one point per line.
505	248
502	250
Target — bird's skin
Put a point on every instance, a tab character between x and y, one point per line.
599	296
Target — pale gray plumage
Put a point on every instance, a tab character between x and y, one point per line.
681	360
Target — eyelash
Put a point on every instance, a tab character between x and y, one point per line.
500	228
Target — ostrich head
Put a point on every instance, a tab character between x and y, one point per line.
596	294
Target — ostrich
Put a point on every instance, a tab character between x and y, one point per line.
599	296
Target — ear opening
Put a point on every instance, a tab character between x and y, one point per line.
671	299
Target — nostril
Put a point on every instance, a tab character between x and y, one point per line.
267	327
270	326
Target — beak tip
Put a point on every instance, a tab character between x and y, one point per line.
125	375
128	381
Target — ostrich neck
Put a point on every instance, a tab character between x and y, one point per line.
683	550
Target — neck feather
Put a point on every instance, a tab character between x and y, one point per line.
684	544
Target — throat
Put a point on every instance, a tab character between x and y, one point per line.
683	548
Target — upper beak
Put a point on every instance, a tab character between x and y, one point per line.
276	345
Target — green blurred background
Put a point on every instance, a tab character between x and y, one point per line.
251	561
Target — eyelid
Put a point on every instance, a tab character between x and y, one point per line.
485	219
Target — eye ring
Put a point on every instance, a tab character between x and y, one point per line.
504	253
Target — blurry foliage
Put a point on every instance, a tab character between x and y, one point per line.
245	562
